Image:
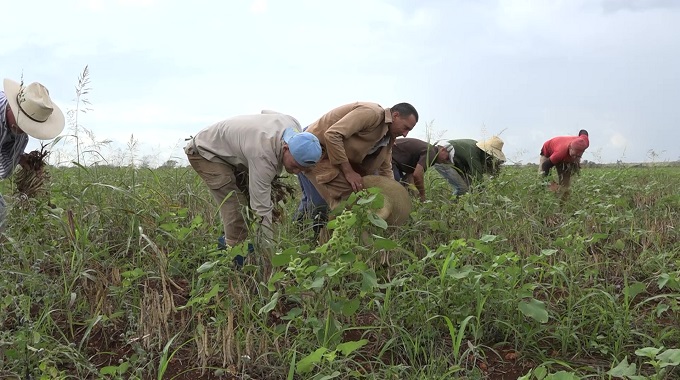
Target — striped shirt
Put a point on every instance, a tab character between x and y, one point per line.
11	145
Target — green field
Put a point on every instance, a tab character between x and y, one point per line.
122	279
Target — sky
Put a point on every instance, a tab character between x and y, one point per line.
528	70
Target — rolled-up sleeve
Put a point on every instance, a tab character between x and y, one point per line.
10	152
385	169
11	146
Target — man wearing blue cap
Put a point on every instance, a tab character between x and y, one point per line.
243	155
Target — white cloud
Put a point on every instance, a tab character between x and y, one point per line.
135	115
259	6
137	3
618	140
93	5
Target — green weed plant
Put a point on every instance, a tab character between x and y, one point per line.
119	276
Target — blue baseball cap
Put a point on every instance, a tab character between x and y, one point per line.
304	147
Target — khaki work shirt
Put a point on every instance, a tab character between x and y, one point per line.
251	143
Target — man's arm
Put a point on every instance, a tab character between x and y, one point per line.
10	154
23	161
356	120
359	118
260	176
351	176
477	167
385	168
545	168
419	181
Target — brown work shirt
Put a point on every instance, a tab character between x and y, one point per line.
348	134
356	133
407	153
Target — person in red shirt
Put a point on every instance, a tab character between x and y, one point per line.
564	153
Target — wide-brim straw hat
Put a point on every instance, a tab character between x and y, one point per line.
397	202
493	146
34	110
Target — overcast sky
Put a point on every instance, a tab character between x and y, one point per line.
161	70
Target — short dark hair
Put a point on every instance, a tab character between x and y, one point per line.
583	132
405	110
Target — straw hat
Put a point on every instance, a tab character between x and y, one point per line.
397	202
493	146
32	107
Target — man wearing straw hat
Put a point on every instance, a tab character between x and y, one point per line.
470	160
24	111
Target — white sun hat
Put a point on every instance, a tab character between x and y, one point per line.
33	109
450	150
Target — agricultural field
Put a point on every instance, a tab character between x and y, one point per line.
115	274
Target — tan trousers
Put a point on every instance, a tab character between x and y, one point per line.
228	187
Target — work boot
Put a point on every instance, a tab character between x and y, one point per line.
238	260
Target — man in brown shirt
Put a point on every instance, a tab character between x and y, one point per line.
412	157
357	140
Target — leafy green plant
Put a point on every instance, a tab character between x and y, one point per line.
660	358
507	276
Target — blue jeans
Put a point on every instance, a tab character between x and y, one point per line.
398	174
238	260
301	211
312	205
460	184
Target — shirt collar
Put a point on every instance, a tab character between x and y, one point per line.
388	116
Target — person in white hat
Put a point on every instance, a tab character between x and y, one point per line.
412	157
24	111
470	160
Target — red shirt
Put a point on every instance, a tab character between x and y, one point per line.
557	149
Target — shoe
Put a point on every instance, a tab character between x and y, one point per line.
238	260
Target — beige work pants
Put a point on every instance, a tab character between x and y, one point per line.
228	187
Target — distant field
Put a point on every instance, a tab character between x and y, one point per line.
120	278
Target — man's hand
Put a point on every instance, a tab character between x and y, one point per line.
412	191
352	177
553	186
355	180
23	161
419	181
